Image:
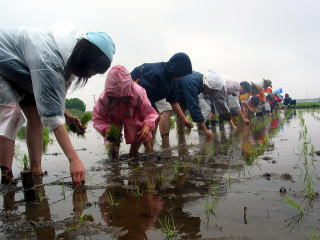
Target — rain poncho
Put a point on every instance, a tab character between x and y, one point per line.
217	102
156	78
233	92
32	61
189	87
133	115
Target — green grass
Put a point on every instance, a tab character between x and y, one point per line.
308	105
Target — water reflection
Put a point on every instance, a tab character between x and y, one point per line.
135	214
154	189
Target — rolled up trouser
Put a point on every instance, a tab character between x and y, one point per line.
163	106
11	117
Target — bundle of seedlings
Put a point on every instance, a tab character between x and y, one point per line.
114	135
75	127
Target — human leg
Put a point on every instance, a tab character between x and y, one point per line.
34	138
164	127
165	111
11	119
6	159
134	148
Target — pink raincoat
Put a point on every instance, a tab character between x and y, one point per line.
133	115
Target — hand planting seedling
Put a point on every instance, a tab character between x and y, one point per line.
75	126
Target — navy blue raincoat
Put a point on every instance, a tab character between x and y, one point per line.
156	78
189	87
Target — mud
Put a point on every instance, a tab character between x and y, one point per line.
244	184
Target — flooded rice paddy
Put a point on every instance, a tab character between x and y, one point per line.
258	182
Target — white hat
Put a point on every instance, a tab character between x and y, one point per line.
213	80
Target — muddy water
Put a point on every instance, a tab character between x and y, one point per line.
228	188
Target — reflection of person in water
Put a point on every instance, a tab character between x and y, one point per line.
40	212
134	214
36	213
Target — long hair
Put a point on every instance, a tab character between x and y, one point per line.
86	59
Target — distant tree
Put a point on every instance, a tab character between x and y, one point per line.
75	103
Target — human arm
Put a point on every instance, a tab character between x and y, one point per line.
77	169
50	91
205	130
148	114
181	115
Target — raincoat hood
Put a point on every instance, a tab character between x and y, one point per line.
119	83
178	65
233	87
214	80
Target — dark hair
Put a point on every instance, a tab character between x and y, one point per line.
86	58
255	101
286	95
246	86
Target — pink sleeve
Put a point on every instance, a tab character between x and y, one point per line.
149	114
100	120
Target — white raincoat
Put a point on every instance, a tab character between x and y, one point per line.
32	61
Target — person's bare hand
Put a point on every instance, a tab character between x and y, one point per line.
208	134
144	132
188	123
77	172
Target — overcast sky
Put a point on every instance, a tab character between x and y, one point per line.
246	39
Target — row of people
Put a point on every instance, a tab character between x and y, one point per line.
133	101
37	68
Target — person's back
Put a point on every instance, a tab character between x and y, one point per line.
286	100
189	87
157	78
124	103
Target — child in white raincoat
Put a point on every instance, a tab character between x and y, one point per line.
36	69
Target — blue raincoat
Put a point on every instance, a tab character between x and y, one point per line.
156	78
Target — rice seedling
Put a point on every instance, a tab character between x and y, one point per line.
25	162
114	134
85	118
198	159
214	190
137	191
160	175
293	204
110	199
211	204
169	228
308	183
63	188
46	140
83	217
172	122
150	185
82	220
176	167
314	234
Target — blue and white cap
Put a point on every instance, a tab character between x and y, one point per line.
103	41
